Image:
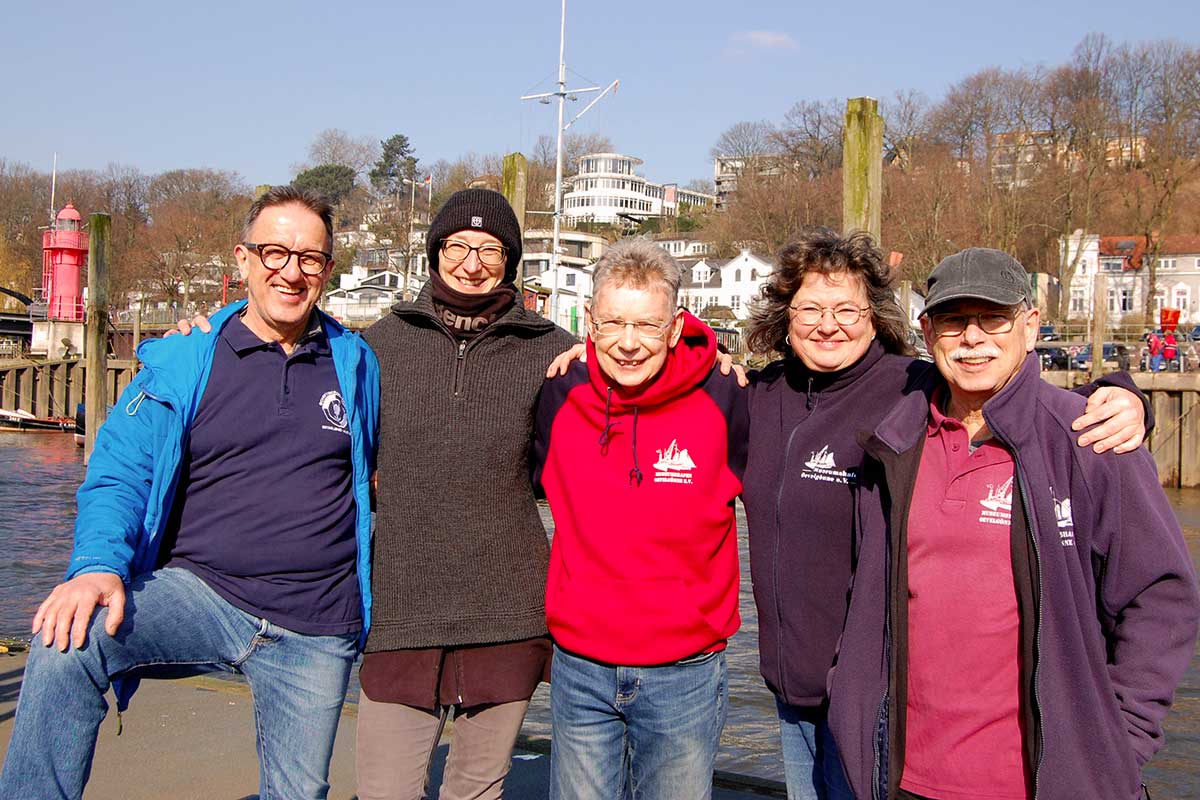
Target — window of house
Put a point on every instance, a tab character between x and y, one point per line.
735	303
1078	301
1166	263
569	279
1110	264
1182	298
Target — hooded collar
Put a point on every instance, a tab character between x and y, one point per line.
1008	412
687	365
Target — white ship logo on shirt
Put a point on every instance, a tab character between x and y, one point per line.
821	466
674	465
999	497
822	459
997	506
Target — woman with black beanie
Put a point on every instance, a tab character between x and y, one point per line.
460	552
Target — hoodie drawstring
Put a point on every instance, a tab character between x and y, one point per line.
606	434
636	472
808	398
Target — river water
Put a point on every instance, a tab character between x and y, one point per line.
40	472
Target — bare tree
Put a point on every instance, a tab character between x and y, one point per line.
336	146
746	141
904	126
1157	88
810	138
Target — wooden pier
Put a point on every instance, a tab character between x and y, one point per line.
54	387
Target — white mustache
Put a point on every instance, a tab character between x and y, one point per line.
980	351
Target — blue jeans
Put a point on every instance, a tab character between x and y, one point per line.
172	617
638	732
1156	363
811	764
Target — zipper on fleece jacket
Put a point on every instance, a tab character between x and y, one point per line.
1031	523
1037	634
787	455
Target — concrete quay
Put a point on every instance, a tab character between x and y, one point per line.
193	738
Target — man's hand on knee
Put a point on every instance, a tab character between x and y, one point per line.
64	616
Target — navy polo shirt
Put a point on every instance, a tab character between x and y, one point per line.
265	512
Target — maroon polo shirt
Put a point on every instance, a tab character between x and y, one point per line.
962	730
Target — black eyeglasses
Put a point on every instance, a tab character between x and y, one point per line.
456	252
988	322
275	257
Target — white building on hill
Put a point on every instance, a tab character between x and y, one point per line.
606	189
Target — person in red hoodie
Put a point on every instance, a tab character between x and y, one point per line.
640	452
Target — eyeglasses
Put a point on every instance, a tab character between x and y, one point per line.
646	331
845	314
988	322
490	255
275	257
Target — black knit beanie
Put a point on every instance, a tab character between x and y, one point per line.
481	210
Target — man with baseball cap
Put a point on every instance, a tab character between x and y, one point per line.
1022	609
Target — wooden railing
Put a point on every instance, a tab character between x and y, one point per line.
52	388
1175	440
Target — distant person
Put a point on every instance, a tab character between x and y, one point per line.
1170	348
224	521
1022	609
640	452
1154	345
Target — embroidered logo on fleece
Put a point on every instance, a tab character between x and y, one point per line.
997	506
821	467
673	465
335	411
1066	523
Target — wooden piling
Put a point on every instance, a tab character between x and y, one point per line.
862	166
514	184
1099	323
96	336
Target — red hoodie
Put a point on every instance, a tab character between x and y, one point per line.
644	562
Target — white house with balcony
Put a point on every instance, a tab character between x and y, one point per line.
733	283
1123	260
607	189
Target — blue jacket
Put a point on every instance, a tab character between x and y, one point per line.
126	498
1105	586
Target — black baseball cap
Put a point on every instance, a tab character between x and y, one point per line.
978	273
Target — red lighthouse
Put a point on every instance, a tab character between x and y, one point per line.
64	253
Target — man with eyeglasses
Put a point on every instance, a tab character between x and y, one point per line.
640	452
1022	609
224	521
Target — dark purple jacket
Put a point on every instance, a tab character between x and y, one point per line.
804	457
1105	587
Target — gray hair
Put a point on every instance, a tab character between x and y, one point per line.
638	264
291	195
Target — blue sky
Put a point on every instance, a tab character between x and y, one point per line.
246	86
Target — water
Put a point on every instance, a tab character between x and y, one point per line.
40	472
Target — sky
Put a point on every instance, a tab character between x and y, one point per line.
246	86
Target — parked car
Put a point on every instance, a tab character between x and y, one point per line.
1194	335
1047	332
1116	356
1053	356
